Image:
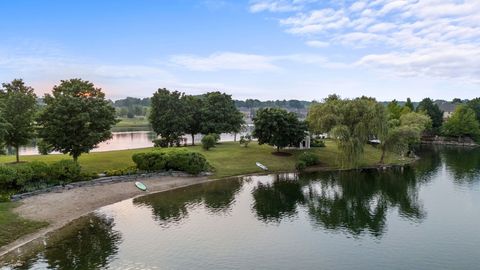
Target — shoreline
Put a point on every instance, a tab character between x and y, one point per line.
85	199
51	207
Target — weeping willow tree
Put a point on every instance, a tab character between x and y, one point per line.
351	122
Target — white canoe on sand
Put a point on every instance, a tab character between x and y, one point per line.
263	167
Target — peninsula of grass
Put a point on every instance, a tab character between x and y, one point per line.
228	158
12	226
132	124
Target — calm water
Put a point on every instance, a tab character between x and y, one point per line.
425	217
121	141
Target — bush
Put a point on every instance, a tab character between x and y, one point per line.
23	175
125	171
215	136
65	171
208	141
185	161
7	176
151	161
43	147
317	143
306	159
245	140
162	142
301	165
41	172
179	160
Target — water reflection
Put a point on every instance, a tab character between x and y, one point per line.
88	243
174	205
463	163
358	202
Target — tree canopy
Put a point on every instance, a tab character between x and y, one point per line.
351	122
76	117
220	114
462	123
19	109
277	127
431	109
167	115
474	104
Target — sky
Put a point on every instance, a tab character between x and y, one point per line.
264	49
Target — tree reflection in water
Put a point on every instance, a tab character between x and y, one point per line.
463	163
350	201
172	206
88	243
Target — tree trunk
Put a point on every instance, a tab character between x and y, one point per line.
278	148
383	154
17	154
193	139
235	137
75	158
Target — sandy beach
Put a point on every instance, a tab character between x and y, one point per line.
60	208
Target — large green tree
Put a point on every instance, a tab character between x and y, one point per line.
394	110
220	114
277	127
19	108
475	105
76	117
462	123
431	109
401	134
409	105
351	122
169	115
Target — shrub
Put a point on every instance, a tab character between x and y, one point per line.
245	140
43	147
301	165
179	160
7	176
151	161
65	171
317	143
125	171
162	142
41	172
208	141
23	175
215	136
185	161
306	159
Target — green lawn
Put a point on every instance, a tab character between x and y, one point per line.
132	124
228	158
12	226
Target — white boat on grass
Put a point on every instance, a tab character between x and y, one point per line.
263	167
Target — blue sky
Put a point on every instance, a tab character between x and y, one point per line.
265	49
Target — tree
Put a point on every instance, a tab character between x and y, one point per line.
194	116
245	140
208	141
409	105
19	110
431	109
167	115
463	122
394	110
220	114
475	105
76	117
279	128
401	134
350	122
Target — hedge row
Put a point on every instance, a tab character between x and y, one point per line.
36	174
178	160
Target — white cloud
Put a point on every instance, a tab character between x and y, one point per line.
273	6
225	61
317	43
410	33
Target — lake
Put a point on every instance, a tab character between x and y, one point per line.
122	141
426	216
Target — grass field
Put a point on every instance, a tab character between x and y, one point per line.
228	158
12	226
132	124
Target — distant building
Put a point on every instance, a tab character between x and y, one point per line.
447	107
